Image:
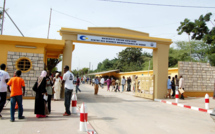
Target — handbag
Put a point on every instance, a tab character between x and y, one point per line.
181	90
35	86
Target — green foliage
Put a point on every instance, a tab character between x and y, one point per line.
198	51
200	31
52	63
130	59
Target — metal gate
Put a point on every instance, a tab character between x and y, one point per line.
145	87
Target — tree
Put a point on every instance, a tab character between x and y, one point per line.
182	52
52	63
200	31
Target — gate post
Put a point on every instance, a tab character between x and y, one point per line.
160	70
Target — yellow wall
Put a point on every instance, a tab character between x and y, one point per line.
12	47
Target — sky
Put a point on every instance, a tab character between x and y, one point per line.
32	18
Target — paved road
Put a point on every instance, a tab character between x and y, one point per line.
122	113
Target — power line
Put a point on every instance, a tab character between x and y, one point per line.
150	4
73	17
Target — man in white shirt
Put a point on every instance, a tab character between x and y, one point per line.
102	81
4	77
68	78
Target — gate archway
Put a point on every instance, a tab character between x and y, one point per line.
114	36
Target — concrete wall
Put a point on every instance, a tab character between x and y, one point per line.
31	76
198	77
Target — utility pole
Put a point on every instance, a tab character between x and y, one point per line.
3	18
89	68
14	24
49	22
148	67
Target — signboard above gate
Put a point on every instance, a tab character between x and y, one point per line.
119	41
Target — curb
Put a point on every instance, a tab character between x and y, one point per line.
89	126
185	106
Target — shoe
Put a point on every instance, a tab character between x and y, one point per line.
11	120
23	117
65	114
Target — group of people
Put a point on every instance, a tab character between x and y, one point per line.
112	83
174	85
45	86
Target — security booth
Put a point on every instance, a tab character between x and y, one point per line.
28	55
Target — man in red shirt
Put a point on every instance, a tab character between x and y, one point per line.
16	83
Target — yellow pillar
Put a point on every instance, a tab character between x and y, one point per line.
160	67
67	59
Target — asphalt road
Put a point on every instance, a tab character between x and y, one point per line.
122	113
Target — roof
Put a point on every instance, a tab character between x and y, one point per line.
53	47
105	72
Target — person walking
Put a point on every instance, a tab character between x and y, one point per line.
93	82
117	85
108	81
57	86
40	108
102	82
169	87
129	84
173	87
113	83
16	93
123	81
49	91
77	85
68	78
96	86
181	86
4	78
176	82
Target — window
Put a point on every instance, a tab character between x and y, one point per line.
23	64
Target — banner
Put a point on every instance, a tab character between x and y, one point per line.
119	41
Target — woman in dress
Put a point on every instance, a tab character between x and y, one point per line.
57	87
40	88
181	86
108	84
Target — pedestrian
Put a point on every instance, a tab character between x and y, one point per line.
117	85
17	84
129	84
40	108
169	87
96	86
123	83
173	87
68	78
108	81
113	83
93	82
49	91
77	85
102	82
134	84
181	86
4	78
176	82
57	86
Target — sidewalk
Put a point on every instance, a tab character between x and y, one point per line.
54	124
195	101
